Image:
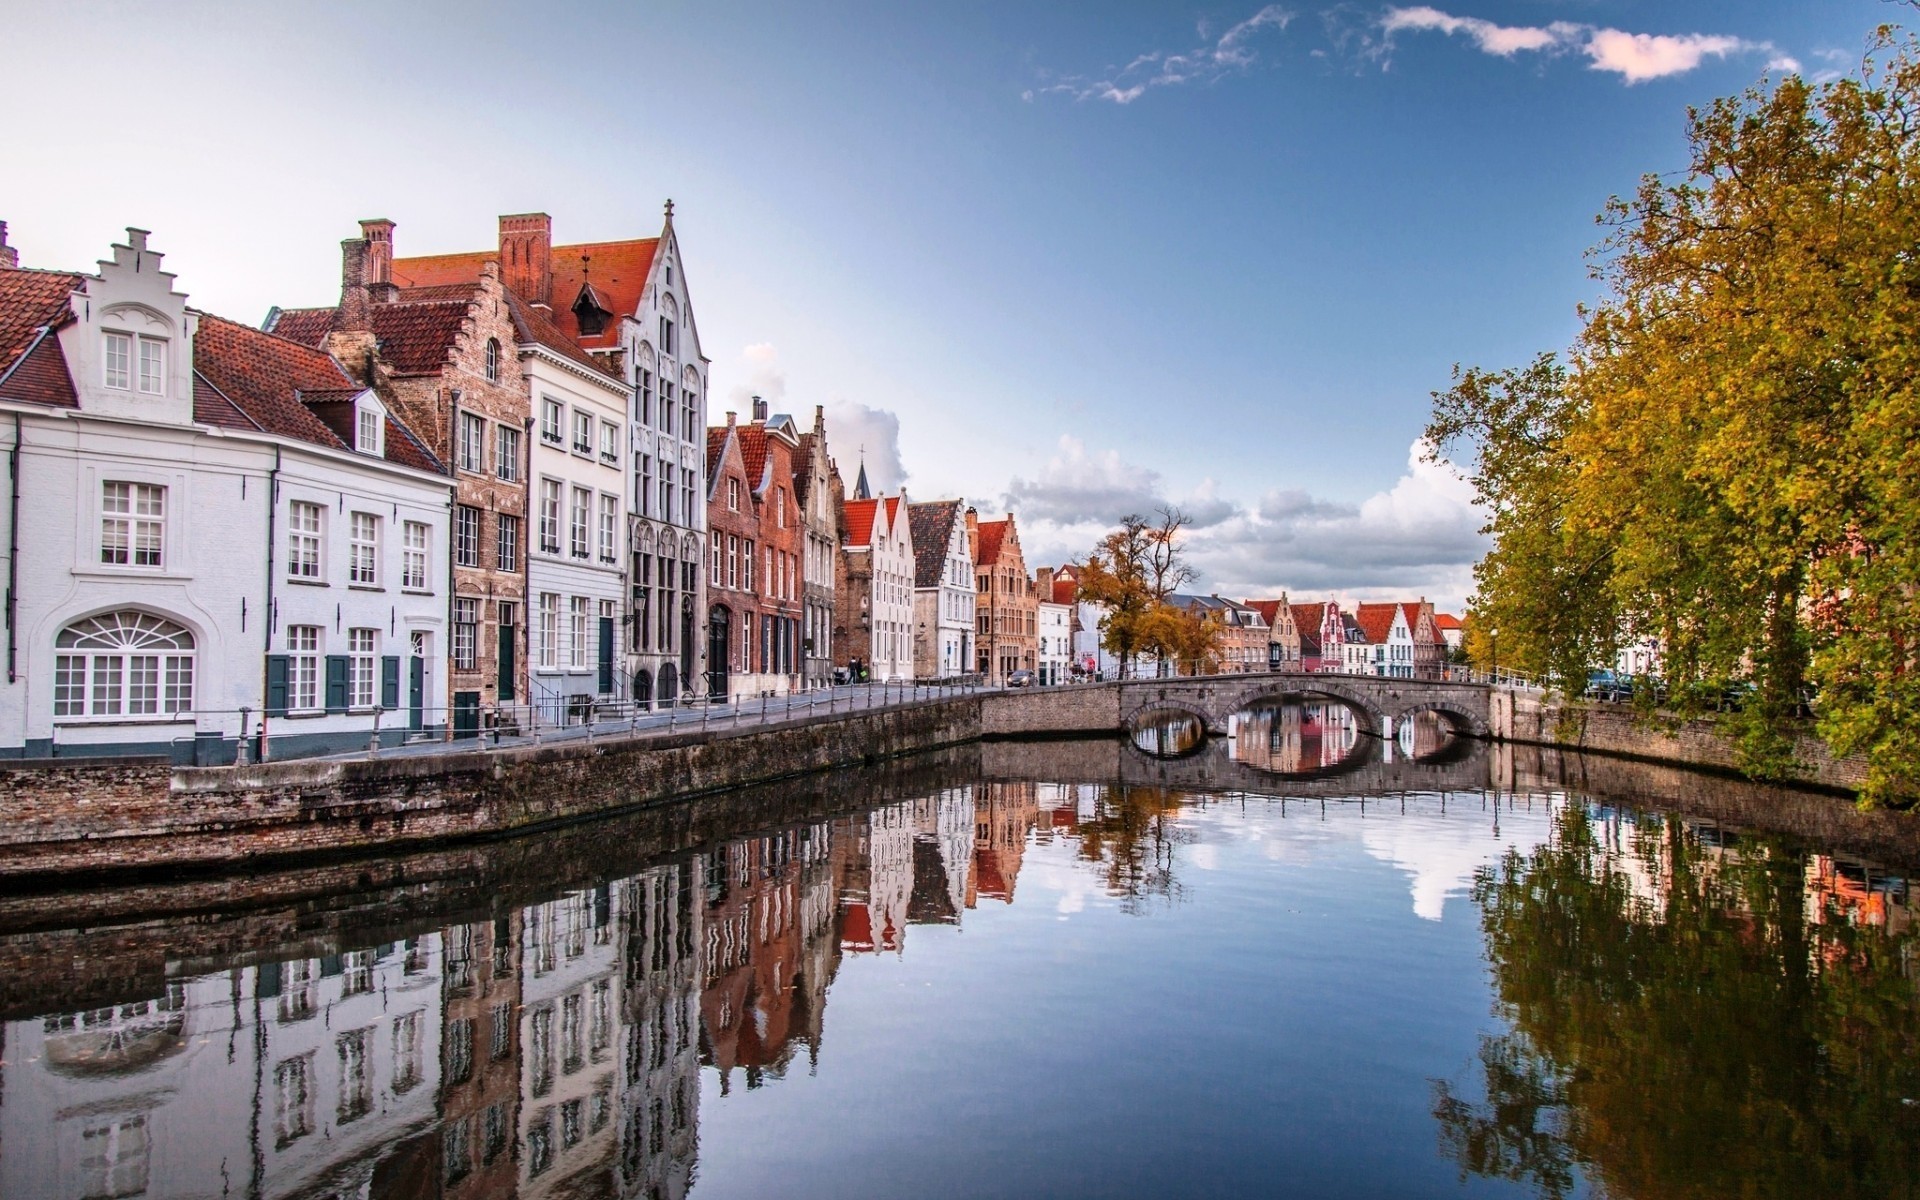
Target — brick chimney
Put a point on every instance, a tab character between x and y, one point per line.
526	256
9	257
378	235
354	314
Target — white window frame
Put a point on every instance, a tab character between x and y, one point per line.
367	427
306	534
550	500
553	415
123	666
609	527
582	616
116	360
583	433
549	629
303	668
506	453
152	365
414	553
610	443
506	542
466	634
363	668
579	522
467	524
363	543
473	442
133	524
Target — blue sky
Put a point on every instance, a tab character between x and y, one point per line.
1077	259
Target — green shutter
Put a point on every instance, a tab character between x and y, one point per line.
276	685
606	656
336	683
390	682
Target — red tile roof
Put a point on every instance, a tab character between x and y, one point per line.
1064	589
416	330
618	271
859	517
532	325
893	515
1269	610
1309	620
716	446
308	326
986	548
1446	621
1376	621
249	379
753	453
32	365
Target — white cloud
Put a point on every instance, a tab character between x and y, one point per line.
1635	57
857	433
765	378
1230	53
1419	537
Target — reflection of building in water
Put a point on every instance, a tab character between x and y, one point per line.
660	1082
1293	739
479	1057
315	1076
907	863
1848	889
769	900
569	981
1422	735
1003	815
1062	806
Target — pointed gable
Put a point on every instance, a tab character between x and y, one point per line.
932	525
858	518
33	306
1376	621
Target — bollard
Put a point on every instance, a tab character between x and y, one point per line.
373	744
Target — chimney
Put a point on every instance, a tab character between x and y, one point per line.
731	415
526	257
354	314
378	235
9	257
759	410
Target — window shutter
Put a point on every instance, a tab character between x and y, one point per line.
336	683
276	685
390	682
606	656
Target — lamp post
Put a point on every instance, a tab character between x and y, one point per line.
1493	636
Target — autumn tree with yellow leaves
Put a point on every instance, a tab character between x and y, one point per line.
1729	456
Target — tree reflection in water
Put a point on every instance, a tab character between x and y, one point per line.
1692	1015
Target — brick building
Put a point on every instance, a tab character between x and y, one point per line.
756	542
1007	611
1283	634
816	490
442	358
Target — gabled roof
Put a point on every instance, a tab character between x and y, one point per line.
1269	611
618	271
716	446
1445	621
1065	589
308	326
989	536
1376	621
416	329
248	379
533	327
859	517
1310	619
34	305
931	523
753	454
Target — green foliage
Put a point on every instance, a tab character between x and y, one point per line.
1728	461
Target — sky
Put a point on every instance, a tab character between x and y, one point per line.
1071	260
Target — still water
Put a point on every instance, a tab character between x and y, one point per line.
944	981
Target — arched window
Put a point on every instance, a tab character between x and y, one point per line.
493	360
122	664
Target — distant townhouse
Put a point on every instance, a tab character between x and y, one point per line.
1090	654
1357	648
626	304
210	527
1283	633
753	569
443	359
873	588
943	594
1054	640
1451	631
1429	648
1241	640
1007	607
816	485
1390	630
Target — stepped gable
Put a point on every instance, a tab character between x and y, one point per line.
753	454
988	537
618	272
931	524
415	330
34	305
1376	621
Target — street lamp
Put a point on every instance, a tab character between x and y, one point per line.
1493	637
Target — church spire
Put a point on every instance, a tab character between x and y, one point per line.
860	489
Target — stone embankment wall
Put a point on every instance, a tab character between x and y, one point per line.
1536	719
130	814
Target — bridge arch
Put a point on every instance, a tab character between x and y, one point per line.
1379	703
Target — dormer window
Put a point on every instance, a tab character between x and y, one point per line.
589	312
118	353
367	430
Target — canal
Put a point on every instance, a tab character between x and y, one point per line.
1001	972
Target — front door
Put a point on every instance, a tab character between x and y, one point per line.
719	635
417	683
466	714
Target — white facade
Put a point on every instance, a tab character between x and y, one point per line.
570	1004
577	565
944	607
156	595
668	470
1056	642
892	591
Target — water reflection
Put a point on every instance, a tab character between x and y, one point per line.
1685	1009
1692	1012
1169	732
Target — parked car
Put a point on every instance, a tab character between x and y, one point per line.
1020	679
1609	685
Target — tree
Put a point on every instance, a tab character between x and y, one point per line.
1727	459
1129	575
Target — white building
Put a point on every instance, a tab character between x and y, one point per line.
211	525
1056	642
943	589
1389	646
577	568
877	557
570	1007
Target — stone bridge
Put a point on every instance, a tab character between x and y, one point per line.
1381	704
